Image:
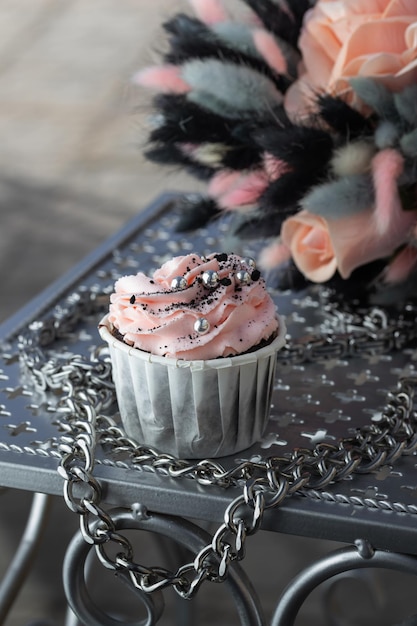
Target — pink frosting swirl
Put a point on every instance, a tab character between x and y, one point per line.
205	317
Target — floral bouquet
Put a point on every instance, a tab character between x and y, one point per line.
302	118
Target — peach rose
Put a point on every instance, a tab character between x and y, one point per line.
342	40
321	246
307	237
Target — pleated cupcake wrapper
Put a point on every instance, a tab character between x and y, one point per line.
193	409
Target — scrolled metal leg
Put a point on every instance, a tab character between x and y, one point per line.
71	619
80	600
343	560
20	566
181	531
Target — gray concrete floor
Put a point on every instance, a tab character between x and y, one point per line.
71	173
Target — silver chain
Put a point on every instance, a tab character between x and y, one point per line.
87	392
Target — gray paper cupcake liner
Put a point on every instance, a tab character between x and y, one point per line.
193	409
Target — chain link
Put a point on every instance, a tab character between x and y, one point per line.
87	392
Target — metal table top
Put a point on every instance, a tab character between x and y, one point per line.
313	402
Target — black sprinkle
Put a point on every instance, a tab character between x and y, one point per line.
221	257
256	274
132	299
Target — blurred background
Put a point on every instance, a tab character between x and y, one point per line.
72	128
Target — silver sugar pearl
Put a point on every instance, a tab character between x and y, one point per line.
247	260
178	283
242	277
201	326
211	278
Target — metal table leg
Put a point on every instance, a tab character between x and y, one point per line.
360	556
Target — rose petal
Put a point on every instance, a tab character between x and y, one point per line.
315	239
408	68
353	67
397	8
317	264
372	38
355	243
345	28
318	246
324	36
342	39
381	63
318	69
333	11
364	7
411	36
299	99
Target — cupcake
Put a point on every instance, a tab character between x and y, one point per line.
193	350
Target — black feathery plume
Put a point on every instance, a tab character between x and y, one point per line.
183	28
283	195
307	152
342	118
301	147
191	39
241	158
358	285
260	224
184	121
298	9
170	154
196	211
278	21
355	288
279	201
276	118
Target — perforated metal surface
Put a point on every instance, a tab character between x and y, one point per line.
311	402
